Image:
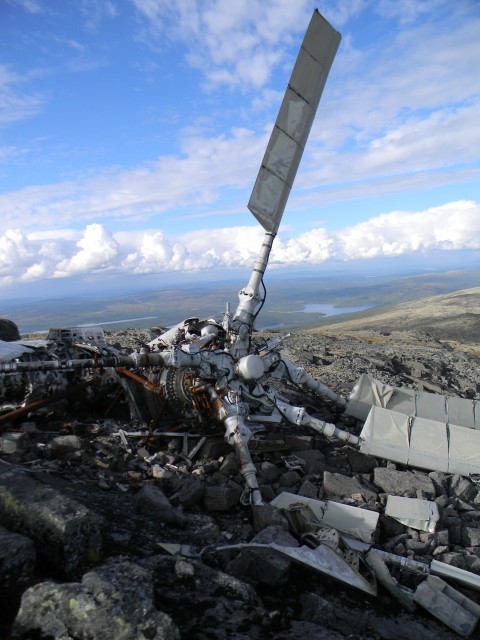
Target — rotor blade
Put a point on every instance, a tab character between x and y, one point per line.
290	133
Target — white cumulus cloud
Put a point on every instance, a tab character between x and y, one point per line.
24	257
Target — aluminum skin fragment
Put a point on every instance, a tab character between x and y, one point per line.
368	392
413	512
353	521
448	605
323	559
418	442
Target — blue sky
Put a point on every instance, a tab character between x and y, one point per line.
131	133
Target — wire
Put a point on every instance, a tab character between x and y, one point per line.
263	299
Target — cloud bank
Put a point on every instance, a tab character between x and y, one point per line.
30	257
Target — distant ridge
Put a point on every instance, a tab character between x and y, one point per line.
453	317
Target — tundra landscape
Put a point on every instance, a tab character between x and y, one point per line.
154	542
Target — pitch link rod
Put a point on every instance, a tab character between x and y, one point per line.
237	435
298	375
298	416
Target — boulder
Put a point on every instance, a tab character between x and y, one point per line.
8	330
221	498
67	535
335	484
151	501
115	600
262	565
403	483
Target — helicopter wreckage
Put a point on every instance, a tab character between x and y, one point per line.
215	376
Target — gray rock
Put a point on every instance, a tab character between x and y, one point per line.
267	492
191	492
308	489
230	465
440	482
403	483
442	537
335	484
406	627
268	472
12	442
472	562
290	480
361	463
314	460
210	604
470	537
62	446
455	558
151	501
390	527
67	535
318	610
221	498
17	559
461	505
462	488
266	516
419	548
442	500
113	601
261	565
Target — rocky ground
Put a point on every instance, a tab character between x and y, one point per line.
87	512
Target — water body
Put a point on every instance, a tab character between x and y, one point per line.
329	309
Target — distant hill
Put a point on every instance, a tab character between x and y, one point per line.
290	303
453	317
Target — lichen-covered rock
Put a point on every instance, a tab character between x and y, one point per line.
66	534
205	602
115	600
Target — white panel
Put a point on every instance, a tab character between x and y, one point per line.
320	47
306	77
468	579
369	392
413	512
403	401
462	412
12	350
366	393
281	157
428	445
385	434
269	194
448	605
356	522
294	116
464	455
431	406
